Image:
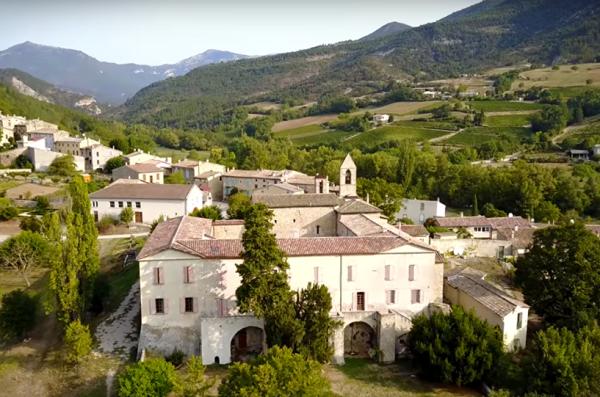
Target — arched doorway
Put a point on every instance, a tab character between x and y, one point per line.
247	343
359	340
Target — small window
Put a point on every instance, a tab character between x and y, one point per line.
388	272
112	204
422	206
411	273
120	204
415	296
159	306
519	320
390	296
360	301
129	204
350	275
138	204
189	305
158	276
188	275
318	229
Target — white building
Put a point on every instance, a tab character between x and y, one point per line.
139	156
381	118
148	200
188	281
467	288
419	211
596	150
142	171
96	155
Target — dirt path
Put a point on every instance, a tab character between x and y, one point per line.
117	335
573	128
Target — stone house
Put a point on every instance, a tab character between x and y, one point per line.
418	211
96	155
142	171
188	280
211	181
467	288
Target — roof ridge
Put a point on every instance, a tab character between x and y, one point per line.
483	283
174	237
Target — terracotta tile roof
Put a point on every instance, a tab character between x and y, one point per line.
298	200
471	282
415	230
360	225
357	206
143	191
228	222
207	174
472	221
257	174
302	180
191	235
186	164
279	188
141	168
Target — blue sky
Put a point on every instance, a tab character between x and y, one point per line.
166	31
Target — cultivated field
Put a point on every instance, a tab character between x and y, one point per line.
478	135
315	135
565	76
303	122
517	120
404	107
503	106
396	132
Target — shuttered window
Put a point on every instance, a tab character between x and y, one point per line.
390	296
350	275
415	296
411	273
388	272
188	274
189	305
159	306
158	276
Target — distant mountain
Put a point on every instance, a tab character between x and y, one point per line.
489	34
106	82
26	84
386	30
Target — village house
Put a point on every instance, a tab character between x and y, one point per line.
40	158
188	280
96	155
418	211
381	118
211	181
467	288
149	201
596	151
192	168
142	171
139	156
577	154
418	232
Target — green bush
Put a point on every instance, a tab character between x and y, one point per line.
154	377
63	166
210	212
454	348
176	358
279	372
126	215
105	223
17	314
78	342
193	382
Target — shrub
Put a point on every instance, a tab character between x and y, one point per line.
193	382
105	223
7	210
455	348
113	163
153	377
176	178
31	223
17	314
63	166
176	358
126	215
210	212
78	342
279	372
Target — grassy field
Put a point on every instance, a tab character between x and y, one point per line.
478	135
303	122
395	132
364	378
313	135
569	92
503	106
565	76
518	120
399	108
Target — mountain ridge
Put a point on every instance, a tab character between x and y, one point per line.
386	30
113	83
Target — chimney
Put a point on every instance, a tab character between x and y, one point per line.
462	215
368	199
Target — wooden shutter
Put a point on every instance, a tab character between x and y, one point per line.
181	305
151	306
195	305
350	275
388	271
353	302
166	306
190	274
155	275
411	272
387	297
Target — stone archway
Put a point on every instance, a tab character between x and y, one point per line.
359	340
247	343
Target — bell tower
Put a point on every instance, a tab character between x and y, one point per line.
348	178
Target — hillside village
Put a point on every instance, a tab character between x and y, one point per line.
411	213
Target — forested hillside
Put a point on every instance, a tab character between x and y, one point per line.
493	33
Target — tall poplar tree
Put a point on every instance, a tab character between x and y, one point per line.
264	289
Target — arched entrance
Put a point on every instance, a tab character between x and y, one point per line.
247	343
359	339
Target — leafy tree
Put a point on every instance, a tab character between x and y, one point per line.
550	119
155	223
22	161
479	118
560	275
407	158
78	342
31	223
63	166
24	252
193	381
279	372
7	209
176	178
115	162
492	212
126	215
313	306
120	143
239	205
264	289
563	363
547	212
210	212
454	348
259	128
152	377
385	195
17	314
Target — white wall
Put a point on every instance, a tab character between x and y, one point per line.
151	209
412	209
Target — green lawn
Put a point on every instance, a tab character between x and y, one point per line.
516	120
478	135
395	132
503	106
302	132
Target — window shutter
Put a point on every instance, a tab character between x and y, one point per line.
155	275
190	273
316	274
350	274
185	275
387	272
353	302
166	306
151	307
388	297
411	272
181	305
195	305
